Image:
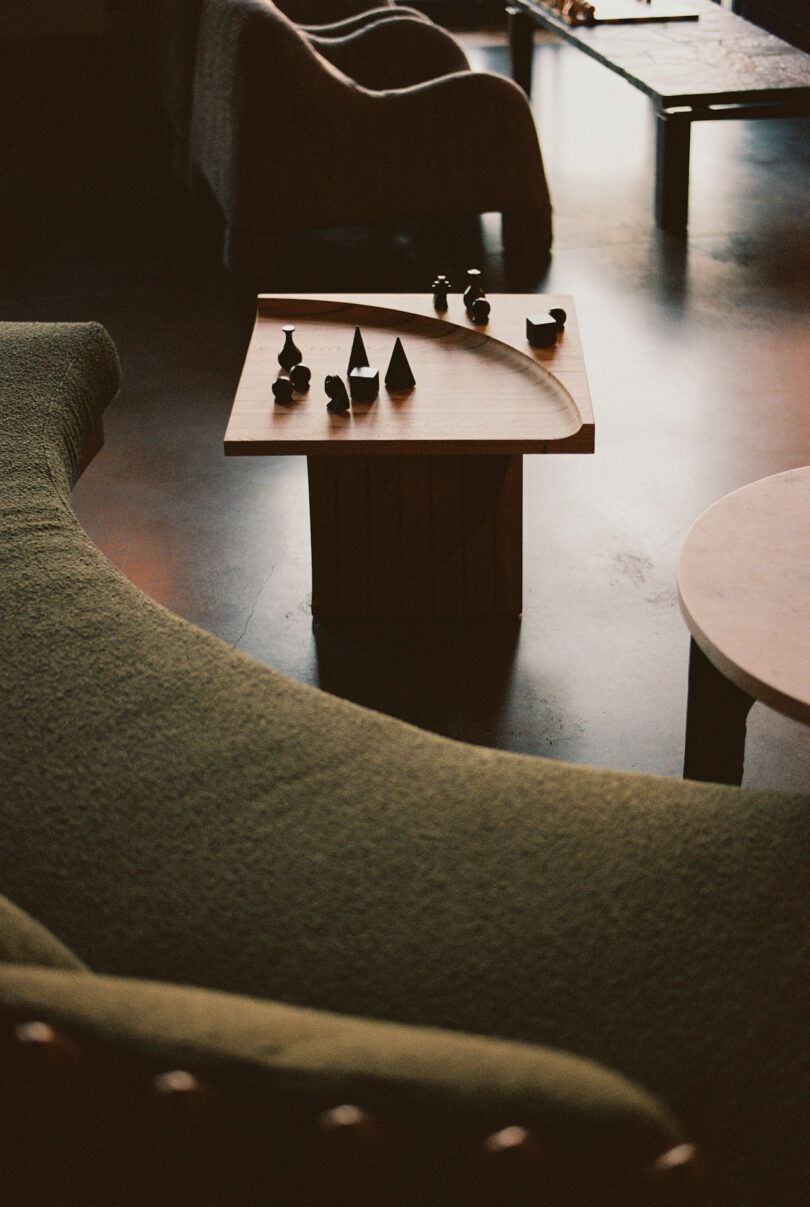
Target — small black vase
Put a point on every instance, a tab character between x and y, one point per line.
289	354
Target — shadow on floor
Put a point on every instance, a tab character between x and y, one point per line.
448	676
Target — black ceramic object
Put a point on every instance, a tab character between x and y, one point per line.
338	402
398	376
300	376
283	390
364	383
357	357
479	311
541	330
441	288
474	288
289	354
559	316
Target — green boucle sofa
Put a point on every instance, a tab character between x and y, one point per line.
272	883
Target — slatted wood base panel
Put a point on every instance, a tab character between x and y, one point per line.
416	535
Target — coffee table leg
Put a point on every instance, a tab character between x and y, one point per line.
672	143
521	47
421	535
716	712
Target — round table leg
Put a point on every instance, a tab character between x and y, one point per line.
716	713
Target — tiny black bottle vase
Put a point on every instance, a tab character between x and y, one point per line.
289	354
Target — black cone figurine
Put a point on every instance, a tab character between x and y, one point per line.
338	402
399	377
357	356
289	354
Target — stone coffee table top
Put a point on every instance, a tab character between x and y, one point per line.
720	56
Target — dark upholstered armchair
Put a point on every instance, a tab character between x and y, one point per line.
320	18
175	27
380	51
291	130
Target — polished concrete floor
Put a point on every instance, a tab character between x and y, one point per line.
698	353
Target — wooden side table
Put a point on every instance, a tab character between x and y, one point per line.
416	498
744	588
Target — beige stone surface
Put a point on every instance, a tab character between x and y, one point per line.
744	587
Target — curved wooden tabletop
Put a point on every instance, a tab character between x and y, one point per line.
480	389
744	588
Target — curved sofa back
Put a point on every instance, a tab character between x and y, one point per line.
175	811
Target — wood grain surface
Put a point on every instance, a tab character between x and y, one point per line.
416	536
478	389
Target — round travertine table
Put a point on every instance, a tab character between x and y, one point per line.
744	589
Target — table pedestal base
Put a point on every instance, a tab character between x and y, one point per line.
416	535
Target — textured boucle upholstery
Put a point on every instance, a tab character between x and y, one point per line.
392	53
428	1082
23	940
350	24
328	12
173	29
174	811
285	139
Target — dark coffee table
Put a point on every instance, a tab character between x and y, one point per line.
715	68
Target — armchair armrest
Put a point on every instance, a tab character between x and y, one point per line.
180	1087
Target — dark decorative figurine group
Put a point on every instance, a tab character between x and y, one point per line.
475	300
364	381
298	375
541	329
338	402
